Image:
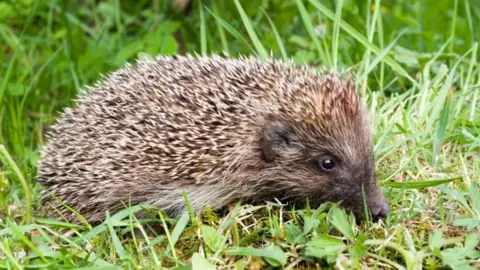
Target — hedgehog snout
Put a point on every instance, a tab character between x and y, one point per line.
380	209
379	206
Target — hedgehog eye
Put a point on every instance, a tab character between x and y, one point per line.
326	163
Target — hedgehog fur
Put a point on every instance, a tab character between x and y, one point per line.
220	129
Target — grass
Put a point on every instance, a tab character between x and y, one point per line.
415	64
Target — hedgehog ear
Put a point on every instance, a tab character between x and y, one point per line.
277	137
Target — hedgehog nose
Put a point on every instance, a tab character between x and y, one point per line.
380	210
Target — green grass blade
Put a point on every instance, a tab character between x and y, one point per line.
179	228
37	76
442	95
307	21
454	24
49	49
9	255
221	33
169	237
118	21
10	38
262	53
468	13
120	250
336	31
8	160
381	55
426	75
230	29
441	127
3	87
364	41
17	231
419	184
476	96
203	31
468	81
283	51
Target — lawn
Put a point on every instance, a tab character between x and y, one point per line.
415	63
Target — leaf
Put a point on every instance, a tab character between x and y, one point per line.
128	51
325	246
407	237
341	223
309	224
299	40
471	242
240	264
161	41
359	249
419	184
475	196
277	258
294	234
468	222
168	27
211	237
273	254
455	258
435	241
303	57
167	45
200	263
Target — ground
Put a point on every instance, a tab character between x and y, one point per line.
415	63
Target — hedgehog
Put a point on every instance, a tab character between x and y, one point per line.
220	129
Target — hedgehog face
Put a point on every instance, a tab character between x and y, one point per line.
313	165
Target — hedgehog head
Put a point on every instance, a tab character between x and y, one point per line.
320	148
